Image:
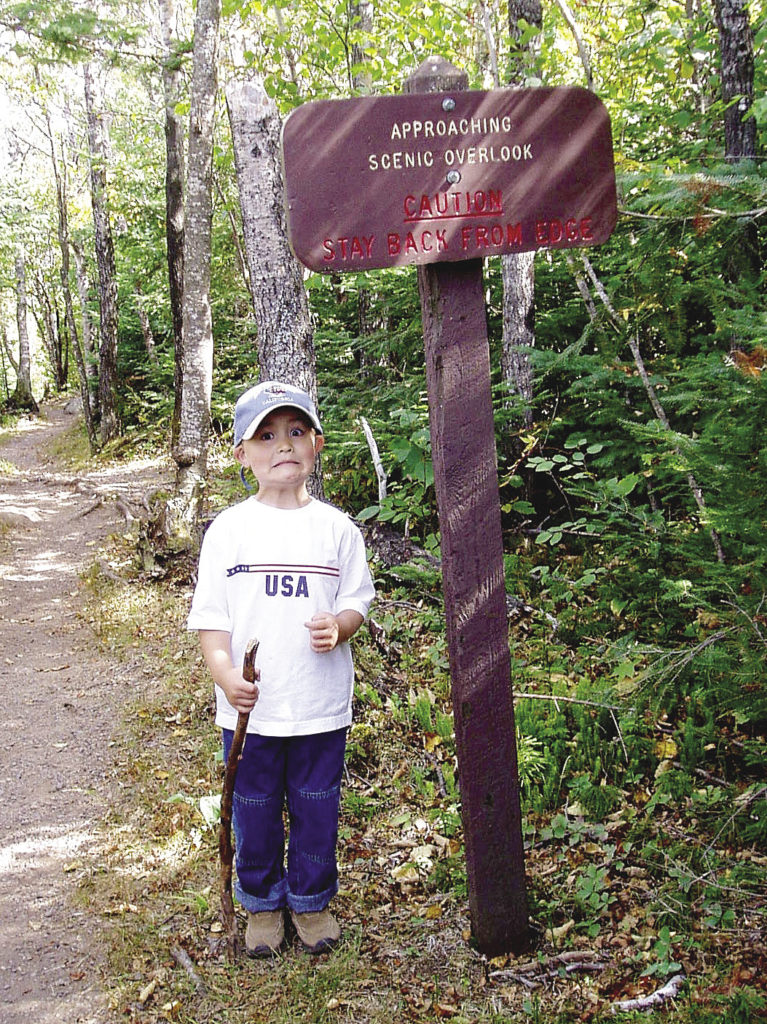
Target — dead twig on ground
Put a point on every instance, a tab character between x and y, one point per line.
183	959
669	991
533	975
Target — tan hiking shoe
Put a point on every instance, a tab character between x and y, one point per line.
318	932
265	933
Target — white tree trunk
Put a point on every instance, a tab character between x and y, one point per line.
191	452
285	334
172	83
22	397
518	269
109	423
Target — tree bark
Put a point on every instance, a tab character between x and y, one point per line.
583	51
518	269
174	202
84	353
5	350
22	398
524	60
60	178
361	19
285	334
191	452
109	422
736	45
146	327
48	329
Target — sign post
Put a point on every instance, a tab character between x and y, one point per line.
466	482
442	177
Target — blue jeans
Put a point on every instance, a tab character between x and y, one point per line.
303	772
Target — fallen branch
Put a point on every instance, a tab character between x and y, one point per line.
438	771
183	959
570	961
108	571
669	991
380	471
96	503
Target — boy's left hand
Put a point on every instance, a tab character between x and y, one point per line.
323	632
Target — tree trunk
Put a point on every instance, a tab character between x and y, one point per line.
105	258
191	452
60	178
518	269
736	45
51	335
146	327
22	398
5	350
285	334
523	59
84	353
174	201
361	19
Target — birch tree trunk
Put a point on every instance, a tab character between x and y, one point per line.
172	83
191	452
85	355
61	180
361	21
22	398
49	330
518	269
109	422
5	351
285	334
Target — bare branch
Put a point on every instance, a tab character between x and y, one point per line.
583	52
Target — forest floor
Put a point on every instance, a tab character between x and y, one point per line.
56	778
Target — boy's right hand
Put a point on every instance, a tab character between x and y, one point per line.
217	651
241	694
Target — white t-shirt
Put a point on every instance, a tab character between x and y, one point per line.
263	573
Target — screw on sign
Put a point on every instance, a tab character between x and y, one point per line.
441	177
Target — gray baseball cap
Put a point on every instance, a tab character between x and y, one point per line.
257	402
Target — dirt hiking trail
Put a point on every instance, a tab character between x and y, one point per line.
59	705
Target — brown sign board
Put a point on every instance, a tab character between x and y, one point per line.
389	181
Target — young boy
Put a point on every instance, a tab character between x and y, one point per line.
291	571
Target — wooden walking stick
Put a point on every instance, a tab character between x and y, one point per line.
225	849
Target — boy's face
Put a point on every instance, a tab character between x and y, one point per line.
281	452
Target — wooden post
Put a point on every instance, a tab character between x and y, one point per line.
466	482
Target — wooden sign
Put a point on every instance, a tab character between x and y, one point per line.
388	181
442	177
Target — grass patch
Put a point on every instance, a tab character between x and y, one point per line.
70	448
